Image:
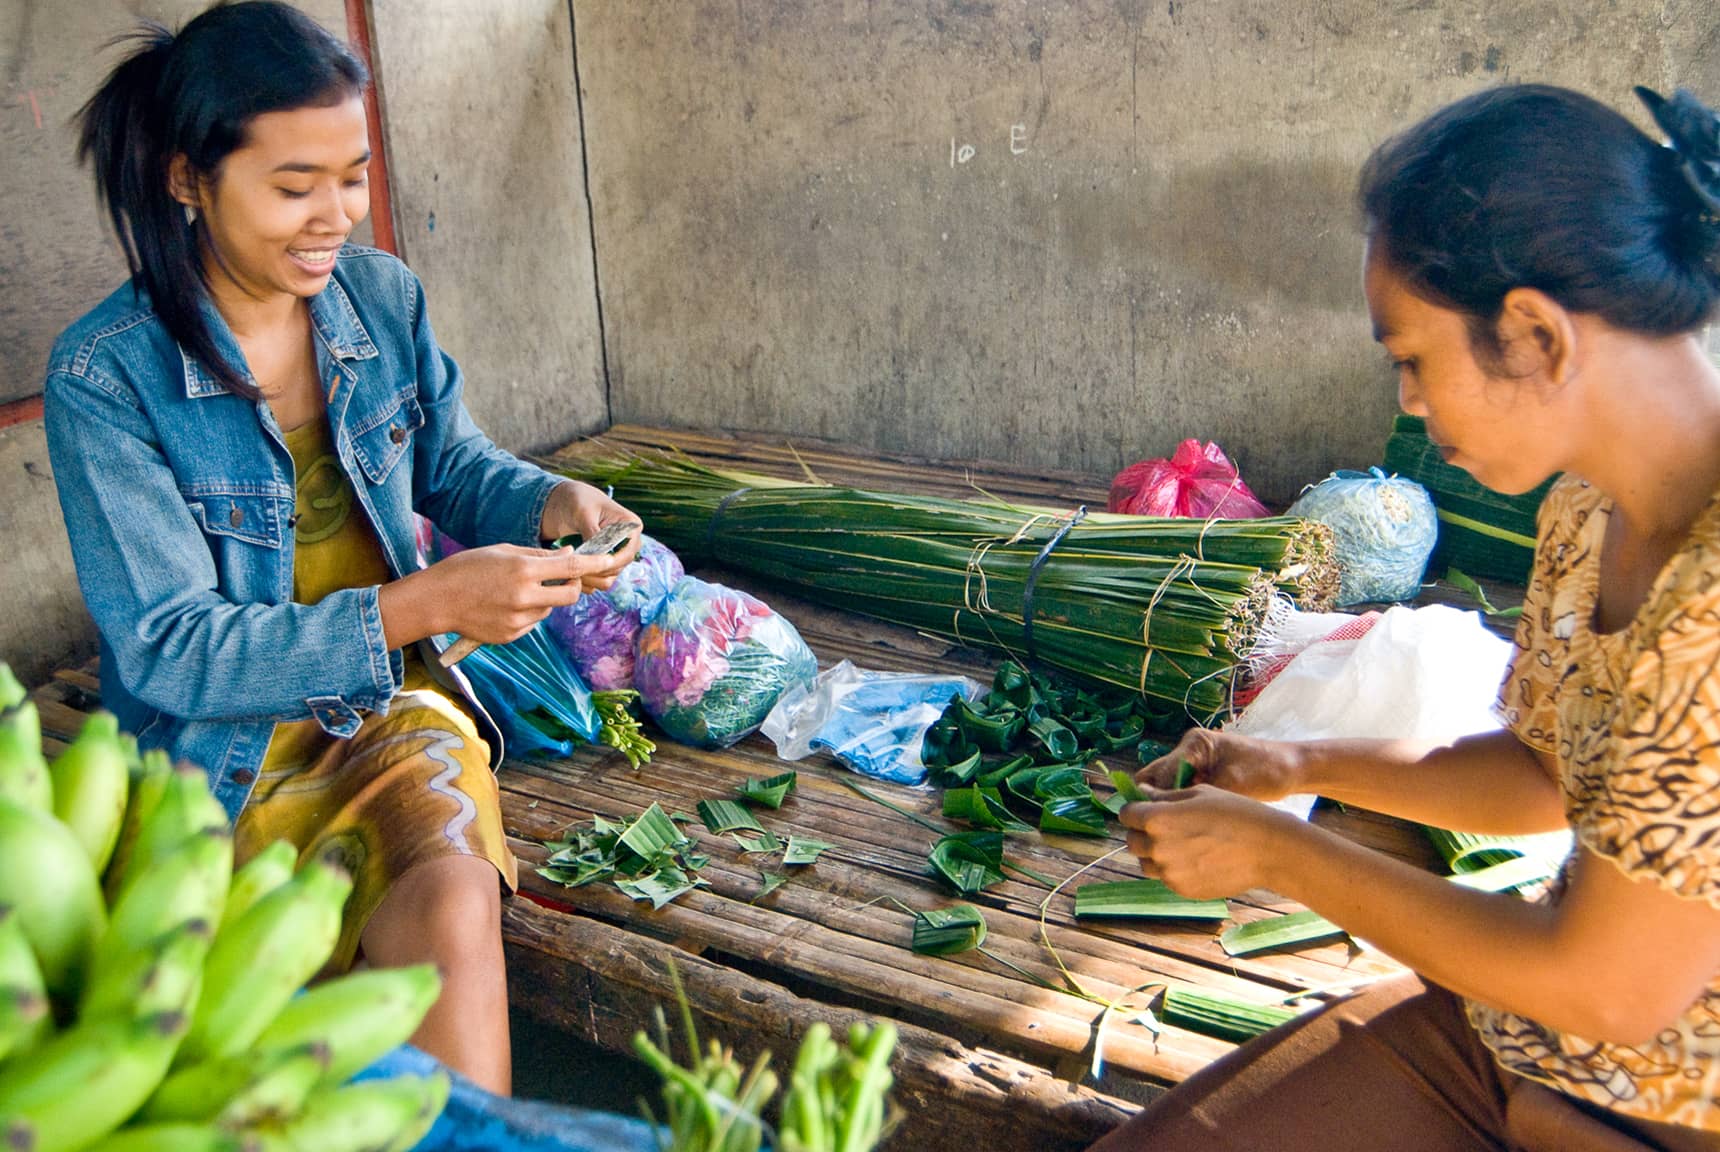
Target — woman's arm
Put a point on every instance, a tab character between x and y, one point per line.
1489	783
1614	960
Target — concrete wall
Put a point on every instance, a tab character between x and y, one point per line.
487	175
1062	234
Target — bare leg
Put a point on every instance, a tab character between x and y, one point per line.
448	912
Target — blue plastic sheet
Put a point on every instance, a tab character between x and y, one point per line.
477	1121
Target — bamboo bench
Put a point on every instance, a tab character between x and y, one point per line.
989	1058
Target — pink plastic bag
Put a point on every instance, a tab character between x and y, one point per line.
1199	481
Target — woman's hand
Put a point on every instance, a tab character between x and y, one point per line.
494	594
1259	769
577	507
1206	843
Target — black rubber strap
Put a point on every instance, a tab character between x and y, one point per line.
1033	578
711	528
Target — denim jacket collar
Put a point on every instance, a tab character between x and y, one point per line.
332	315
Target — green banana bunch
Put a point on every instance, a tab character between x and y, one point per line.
149	776
380	1115
150	979
23	1015
189	884
186	808
264	957
90	782
358	1017
48	880
23	770
186	1138
233	1086
85	1082
261	875
21	977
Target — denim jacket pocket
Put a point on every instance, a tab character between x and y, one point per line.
381	440
247	516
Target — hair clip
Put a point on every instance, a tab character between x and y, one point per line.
1693	132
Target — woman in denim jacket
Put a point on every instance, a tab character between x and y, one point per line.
241	436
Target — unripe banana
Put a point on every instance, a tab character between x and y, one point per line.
202	1092
149	779
189	884
359	1016
261	875
162	978
11	692
84	1083
21	976
370	1116
23	1015
263	958
46	877
90	781
278	1095
185	809
23	771
183	1138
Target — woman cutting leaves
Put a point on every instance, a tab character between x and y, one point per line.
1539	272
241	436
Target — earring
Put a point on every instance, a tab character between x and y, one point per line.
190	214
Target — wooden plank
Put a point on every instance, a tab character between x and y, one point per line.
600	982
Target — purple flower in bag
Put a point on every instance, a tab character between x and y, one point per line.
600	630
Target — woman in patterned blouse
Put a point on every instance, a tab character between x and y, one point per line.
1539	272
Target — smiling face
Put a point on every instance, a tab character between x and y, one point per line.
1501	429
285	201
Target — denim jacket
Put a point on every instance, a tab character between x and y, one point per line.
179	495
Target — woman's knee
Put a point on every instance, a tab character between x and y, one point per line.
451	906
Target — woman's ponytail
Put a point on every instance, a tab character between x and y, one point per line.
123	136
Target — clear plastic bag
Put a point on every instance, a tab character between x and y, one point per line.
714	662
534	694
874	722
600	630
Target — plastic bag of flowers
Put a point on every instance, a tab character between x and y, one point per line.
714	662
600	630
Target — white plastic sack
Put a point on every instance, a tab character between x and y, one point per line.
1419	674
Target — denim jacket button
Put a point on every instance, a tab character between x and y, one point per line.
236	517
244	776
397	434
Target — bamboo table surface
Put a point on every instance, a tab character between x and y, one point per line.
990	1052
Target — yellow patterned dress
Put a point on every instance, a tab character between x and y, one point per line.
410	786
1633	718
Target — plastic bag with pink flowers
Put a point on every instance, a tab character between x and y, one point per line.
1198	481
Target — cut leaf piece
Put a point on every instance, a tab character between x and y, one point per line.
969	861
769	791
947	931
726	816
1221	1016
1514	873
769	882
660	886
1303	927
1143	899
652	833
804	851
1126	787
765	843
1073	816
982	807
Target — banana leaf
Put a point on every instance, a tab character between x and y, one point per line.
969	861
769	791
1305	927
1145	899
948	931
727	816
802	850
1221	1016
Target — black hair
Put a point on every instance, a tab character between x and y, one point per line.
195	94
1535	186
